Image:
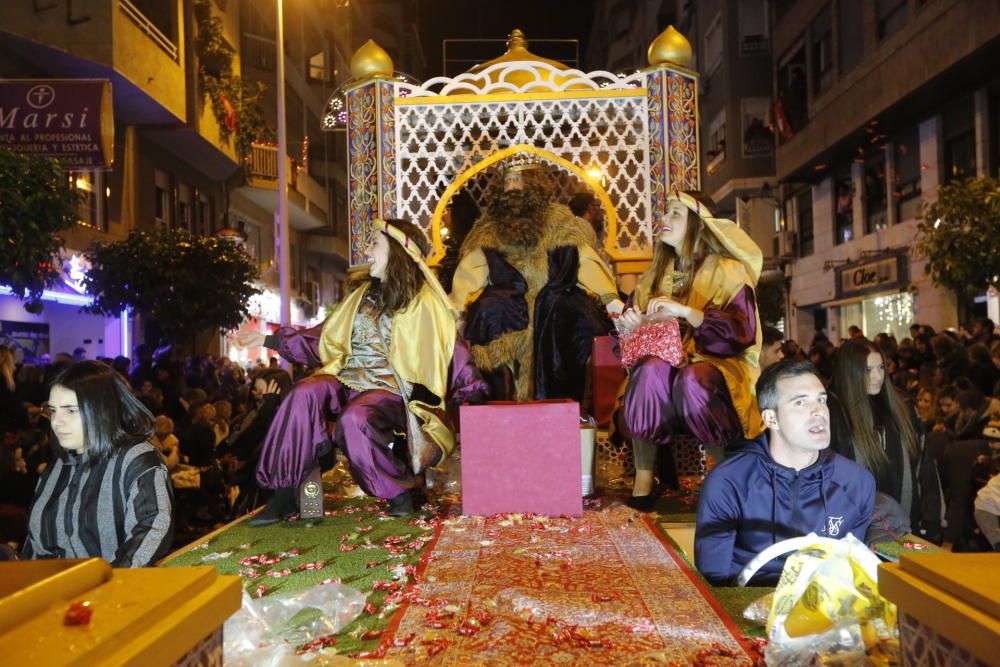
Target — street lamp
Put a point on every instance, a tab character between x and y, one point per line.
281	216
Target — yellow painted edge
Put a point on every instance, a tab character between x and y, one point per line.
179	631
463	98
31	600
609	210
970	628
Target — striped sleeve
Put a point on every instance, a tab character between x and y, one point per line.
148	504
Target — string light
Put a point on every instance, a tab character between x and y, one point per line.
893	312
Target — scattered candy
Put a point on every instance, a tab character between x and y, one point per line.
78	613
320	642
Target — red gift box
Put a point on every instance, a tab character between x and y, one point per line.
608	376
660	339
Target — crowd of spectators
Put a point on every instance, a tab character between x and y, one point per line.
951	380
210	418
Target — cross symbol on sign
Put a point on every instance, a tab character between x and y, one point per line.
41	96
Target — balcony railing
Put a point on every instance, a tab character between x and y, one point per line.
151	30
262	164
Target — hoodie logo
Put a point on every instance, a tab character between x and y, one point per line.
833	524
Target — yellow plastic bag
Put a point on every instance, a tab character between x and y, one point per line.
826	601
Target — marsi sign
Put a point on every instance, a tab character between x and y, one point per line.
68	119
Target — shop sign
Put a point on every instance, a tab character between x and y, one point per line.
68	119
879	275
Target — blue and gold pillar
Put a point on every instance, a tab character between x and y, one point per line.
672	91
371	147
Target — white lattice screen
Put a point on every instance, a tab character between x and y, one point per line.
439	140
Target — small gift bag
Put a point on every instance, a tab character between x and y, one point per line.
660	338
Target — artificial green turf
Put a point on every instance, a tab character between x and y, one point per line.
321	540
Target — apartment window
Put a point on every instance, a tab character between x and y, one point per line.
843	204
804	204
259	45
906	173
318	70
958	130
850	46
792	92
161	203
758	137
875	192
890	16
753	27
185	207
252	244
162	14
713	45
821	36
206	215
94	195
715	142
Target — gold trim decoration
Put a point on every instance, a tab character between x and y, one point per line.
514	97
609	209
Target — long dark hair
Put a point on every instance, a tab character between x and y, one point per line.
850	381
403	279
698	242
111	415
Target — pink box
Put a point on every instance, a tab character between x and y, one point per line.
521	457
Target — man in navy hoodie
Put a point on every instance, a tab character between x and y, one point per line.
785	483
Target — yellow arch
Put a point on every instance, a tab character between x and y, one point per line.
611	215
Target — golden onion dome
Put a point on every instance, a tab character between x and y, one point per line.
369	61
670	48
517	51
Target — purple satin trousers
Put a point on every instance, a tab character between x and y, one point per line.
661	400
366	423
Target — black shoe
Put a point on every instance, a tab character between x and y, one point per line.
647	502
281	505
401	505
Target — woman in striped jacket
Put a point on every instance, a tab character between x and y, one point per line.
108	494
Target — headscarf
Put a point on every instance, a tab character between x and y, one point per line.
413	250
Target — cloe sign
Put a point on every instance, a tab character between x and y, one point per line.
879	275
68	119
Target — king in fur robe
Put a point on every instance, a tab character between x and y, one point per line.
531	288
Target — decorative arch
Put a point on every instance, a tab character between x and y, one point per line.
610	214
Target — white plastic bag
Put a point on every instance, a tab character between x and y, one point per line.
267	630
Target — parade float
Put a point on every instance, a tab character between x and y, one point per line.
607	587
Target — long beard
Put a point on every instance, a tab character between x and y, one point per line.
519	215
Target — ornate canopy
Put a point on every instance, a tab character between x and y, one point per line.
630	139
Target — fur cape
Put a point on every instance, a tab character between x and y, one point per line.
525	243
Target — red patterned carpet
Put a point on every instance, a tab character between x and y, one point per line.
604	589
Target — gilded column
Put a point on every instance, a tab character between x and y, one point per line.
672	91
371	148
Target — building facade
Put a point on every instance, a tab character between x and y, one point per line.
869	125
174	165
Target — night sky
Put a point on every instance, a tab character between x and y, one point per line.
495	19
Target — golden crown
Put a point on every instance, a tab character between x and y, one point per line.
521	162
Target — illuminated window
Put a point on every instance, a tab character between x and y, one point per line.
94	194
